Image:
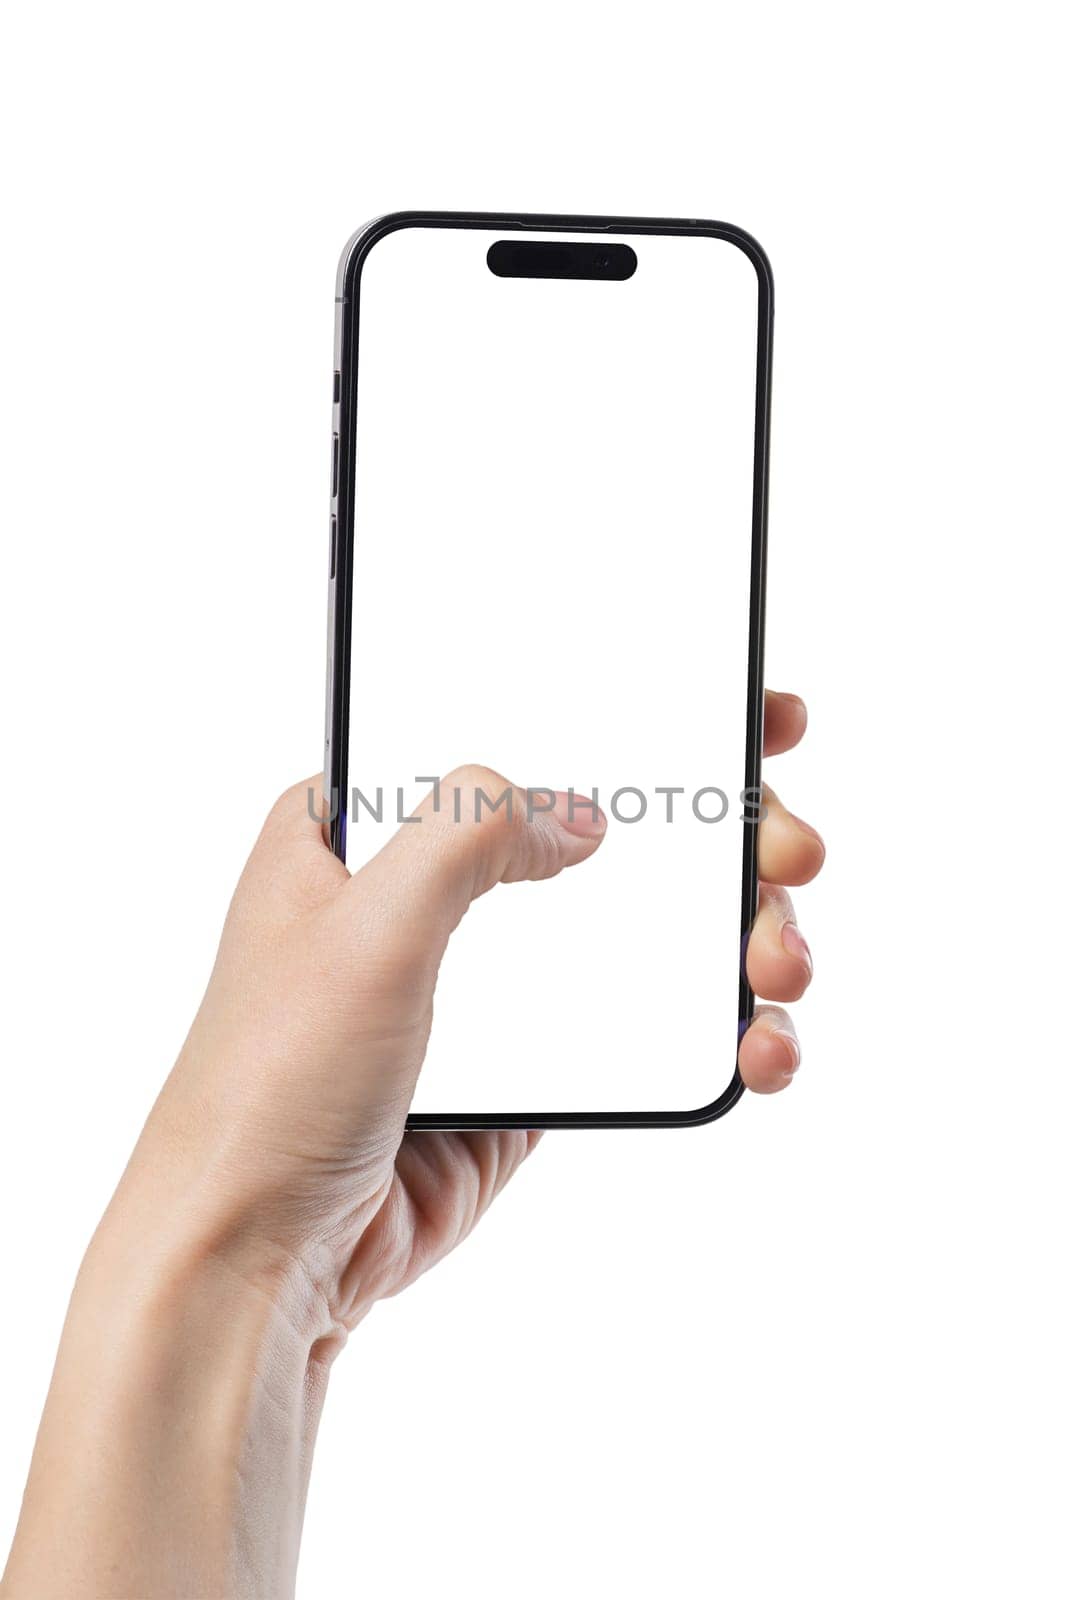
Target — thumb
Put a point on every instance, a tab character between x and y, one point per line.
474	830
397	912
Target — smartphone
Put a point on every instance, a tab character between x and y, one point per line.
548	557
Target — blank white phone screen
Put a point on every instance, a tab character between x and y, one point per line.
552	558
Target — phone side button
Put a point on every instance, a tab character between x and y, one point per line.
336	462
333	547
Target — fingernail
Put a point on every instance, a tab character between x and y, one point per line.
793	1045
579	815
796	944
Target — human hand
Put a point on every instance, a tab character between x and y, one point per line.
284	1116
274	1196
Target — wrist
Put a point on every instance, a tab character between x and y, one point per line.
168	1244
181	1417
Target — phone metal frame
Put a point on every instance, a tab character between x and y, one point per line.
335	765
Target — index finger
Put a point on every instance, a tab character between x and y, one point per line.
785	716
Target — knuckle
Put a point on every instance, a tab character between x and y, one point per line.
471	775
478	795
293	800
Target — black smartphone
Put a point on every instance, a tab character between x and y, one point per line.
547	556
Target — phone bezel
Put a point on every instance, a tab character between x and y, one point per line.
335	766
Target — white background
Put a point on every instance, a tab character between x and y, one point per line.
816	1348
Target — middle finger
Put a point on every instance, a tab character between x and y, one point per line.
790	851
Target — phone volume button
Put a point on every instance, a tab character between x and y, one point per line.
336	464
